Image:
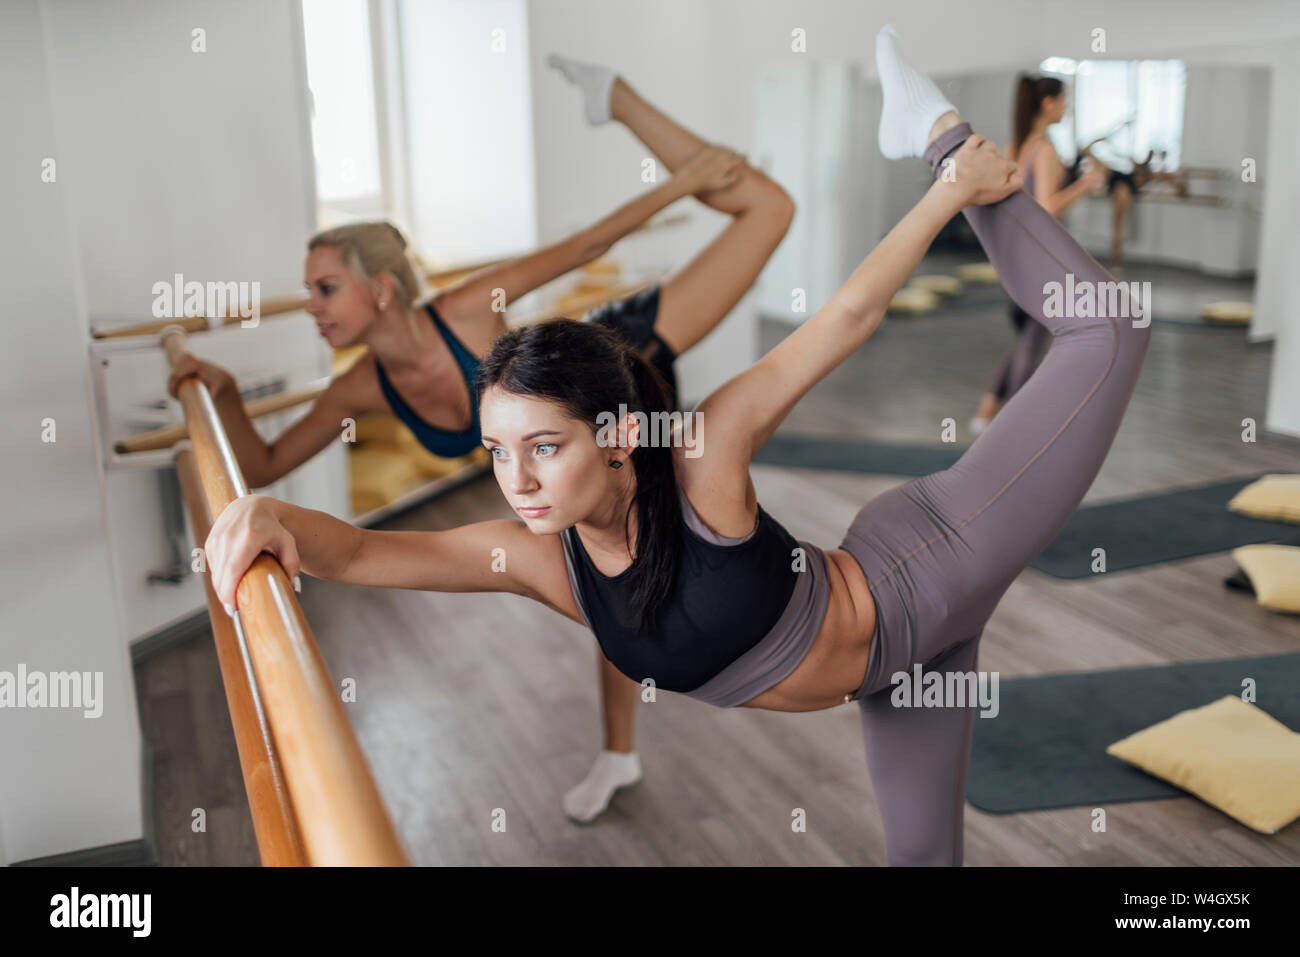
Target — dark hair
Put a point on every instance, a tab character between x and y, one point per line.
587	369
1031	90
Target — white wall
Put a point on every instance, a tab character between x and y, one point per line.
198	163
69	781
466	95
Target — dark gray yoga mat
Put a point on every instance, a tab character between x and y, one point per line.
1151	529
1145	530
1046	748
856	455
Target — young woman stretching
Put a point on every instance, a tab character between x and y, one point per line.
1040	102
687	581
424	358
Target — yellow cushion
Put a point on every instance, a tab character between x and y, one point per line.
431	466
977	272
944	285
1228	311
380	427
1273	497
910	299
1231	755
603	267
1274	573
379	475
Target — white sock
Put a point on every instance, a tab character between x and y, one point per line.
912	101
594	81
612	770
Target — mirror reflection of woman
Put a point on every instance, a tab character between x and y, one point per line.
1040	102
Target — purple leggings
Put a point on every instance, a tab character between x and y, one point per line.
939	552
1018	364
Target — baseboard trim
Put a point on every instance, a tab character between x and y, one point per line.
141	852
179	632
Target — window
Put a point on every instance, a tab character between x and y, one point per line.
422	115
1137	105
344	130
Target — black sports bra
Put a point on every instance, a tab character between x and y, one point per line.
729	594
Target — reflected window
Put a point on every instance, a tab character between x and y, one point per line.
344	133
1136	106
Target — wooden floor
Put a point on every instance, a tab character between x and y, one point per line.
467	703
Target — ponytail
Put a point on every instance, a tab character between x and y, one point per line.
659	511
1031	90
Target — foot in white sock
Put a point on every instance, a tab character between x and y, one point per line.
612	770
912	102
594	82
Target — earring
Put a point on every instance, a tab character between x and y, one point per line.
383	305
616	464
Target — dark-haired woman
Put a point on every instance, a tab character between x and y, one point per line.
687	582
424	357
1040	102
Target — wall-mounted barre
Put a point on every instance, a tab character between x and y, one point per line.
337	805
271	307
169	435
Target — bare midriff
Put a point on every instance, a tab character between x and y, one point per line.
836	664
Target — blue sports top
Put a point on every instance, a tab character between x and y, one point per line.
449	445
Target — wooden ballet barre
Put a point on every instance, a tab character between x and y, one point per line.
279	841
169	435
271	307
339	810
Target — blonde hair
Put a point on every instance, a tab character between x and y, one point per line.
370	250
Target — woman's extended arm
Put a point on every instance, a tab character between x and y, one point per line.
744	412
263	463
485	556
712	168
1048	170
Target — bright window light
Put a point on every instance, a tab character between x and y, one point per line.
341	78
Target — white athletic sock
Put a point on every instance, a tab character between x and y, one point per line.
912	102
594	81
612	770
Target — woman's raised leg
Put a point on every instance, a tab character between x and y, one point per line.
939	552
696	297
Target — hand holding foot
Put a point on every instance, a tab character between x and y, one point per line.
712	168
982	174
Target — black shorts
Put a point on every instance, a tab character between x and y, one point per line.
1116	177
633	319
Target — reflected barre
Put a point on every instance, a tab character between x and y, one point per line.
272	307
338	808
169	435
